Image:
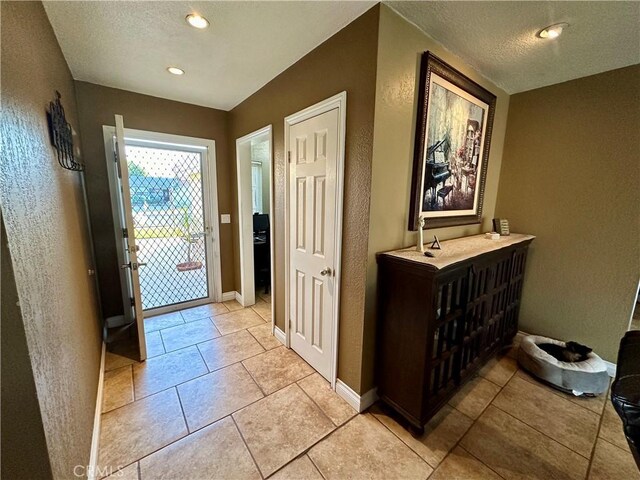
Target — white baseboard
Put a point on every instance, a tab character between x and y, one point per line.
228	296
611	368
280	335
92	471
358	402
238	298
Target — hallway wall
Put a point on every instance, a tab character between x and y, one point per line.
97	106
23	446
571	176
346	61
400	46
44	214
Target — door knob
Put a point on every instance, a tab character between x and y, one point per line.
325	272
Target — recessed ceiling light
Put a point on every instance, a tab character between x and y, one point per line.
197	21
175	70
552	31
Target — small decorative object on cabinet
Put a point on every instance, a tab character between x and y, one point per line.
440	318
501	225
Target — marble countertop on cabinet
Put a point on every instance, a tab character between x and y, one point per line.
458	249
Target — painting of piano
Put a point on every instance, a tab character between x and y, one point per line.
453	136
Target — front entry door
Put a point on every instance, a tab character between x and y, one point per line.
312	234
129	267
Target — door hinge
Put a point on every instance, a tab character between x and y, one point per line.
125	233
289	156
133	301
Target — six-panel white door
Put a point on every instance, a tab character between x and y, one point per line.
312	198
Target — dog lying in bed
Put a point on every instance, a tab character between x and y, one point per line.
571	352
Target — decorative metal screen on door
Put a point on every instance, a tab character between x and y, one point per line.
168	215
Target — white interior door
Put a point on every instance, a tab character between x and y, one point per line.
312	233
131	285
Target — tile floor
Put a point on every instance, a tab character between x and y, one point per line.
220	398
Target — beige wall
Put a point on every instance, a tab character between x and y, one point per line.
399	48
347	61
44	215
23	444
571	176
97	106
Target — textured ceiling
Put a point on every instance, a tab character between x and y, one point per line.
499	38
129	44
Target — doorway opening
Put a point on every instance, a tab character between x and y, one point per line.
172	203
255	206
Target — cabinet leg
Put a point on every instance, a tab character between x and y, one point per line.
416	432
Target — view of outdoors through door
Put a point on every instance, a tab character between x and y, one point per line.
167	200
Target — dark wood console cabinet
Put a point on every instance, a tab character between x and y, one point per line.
441	318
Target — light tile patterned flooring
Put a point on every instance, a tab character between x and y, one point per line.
220	398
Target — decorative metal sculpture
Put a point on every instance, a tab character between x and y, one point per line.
62	135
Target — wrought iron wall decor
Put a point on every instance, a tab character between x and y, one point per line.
62	135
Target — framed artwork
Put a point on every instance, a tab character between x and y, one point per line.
451	153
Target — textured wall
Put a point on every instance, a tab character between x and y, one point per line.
97	106
347	61
571	176
23	444
44	215
399	48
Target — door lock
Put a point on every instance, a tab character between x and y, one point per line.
325	272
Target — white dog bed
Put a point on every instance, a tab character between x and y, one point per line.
589	376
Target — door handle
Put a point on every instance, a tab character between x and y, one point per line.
325	272
132	265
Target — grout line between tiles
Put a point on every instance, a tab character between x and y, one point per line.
241	435
593	449
247	446
159	391
133	385
212	371
486	406
313	401
253	378
206	365
614	445
474	420
326	435
164	347
241	408
184	416
533	381
407	445
472	455
121	467
496	383
595	443
543	433
229	365
306	451
314	463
